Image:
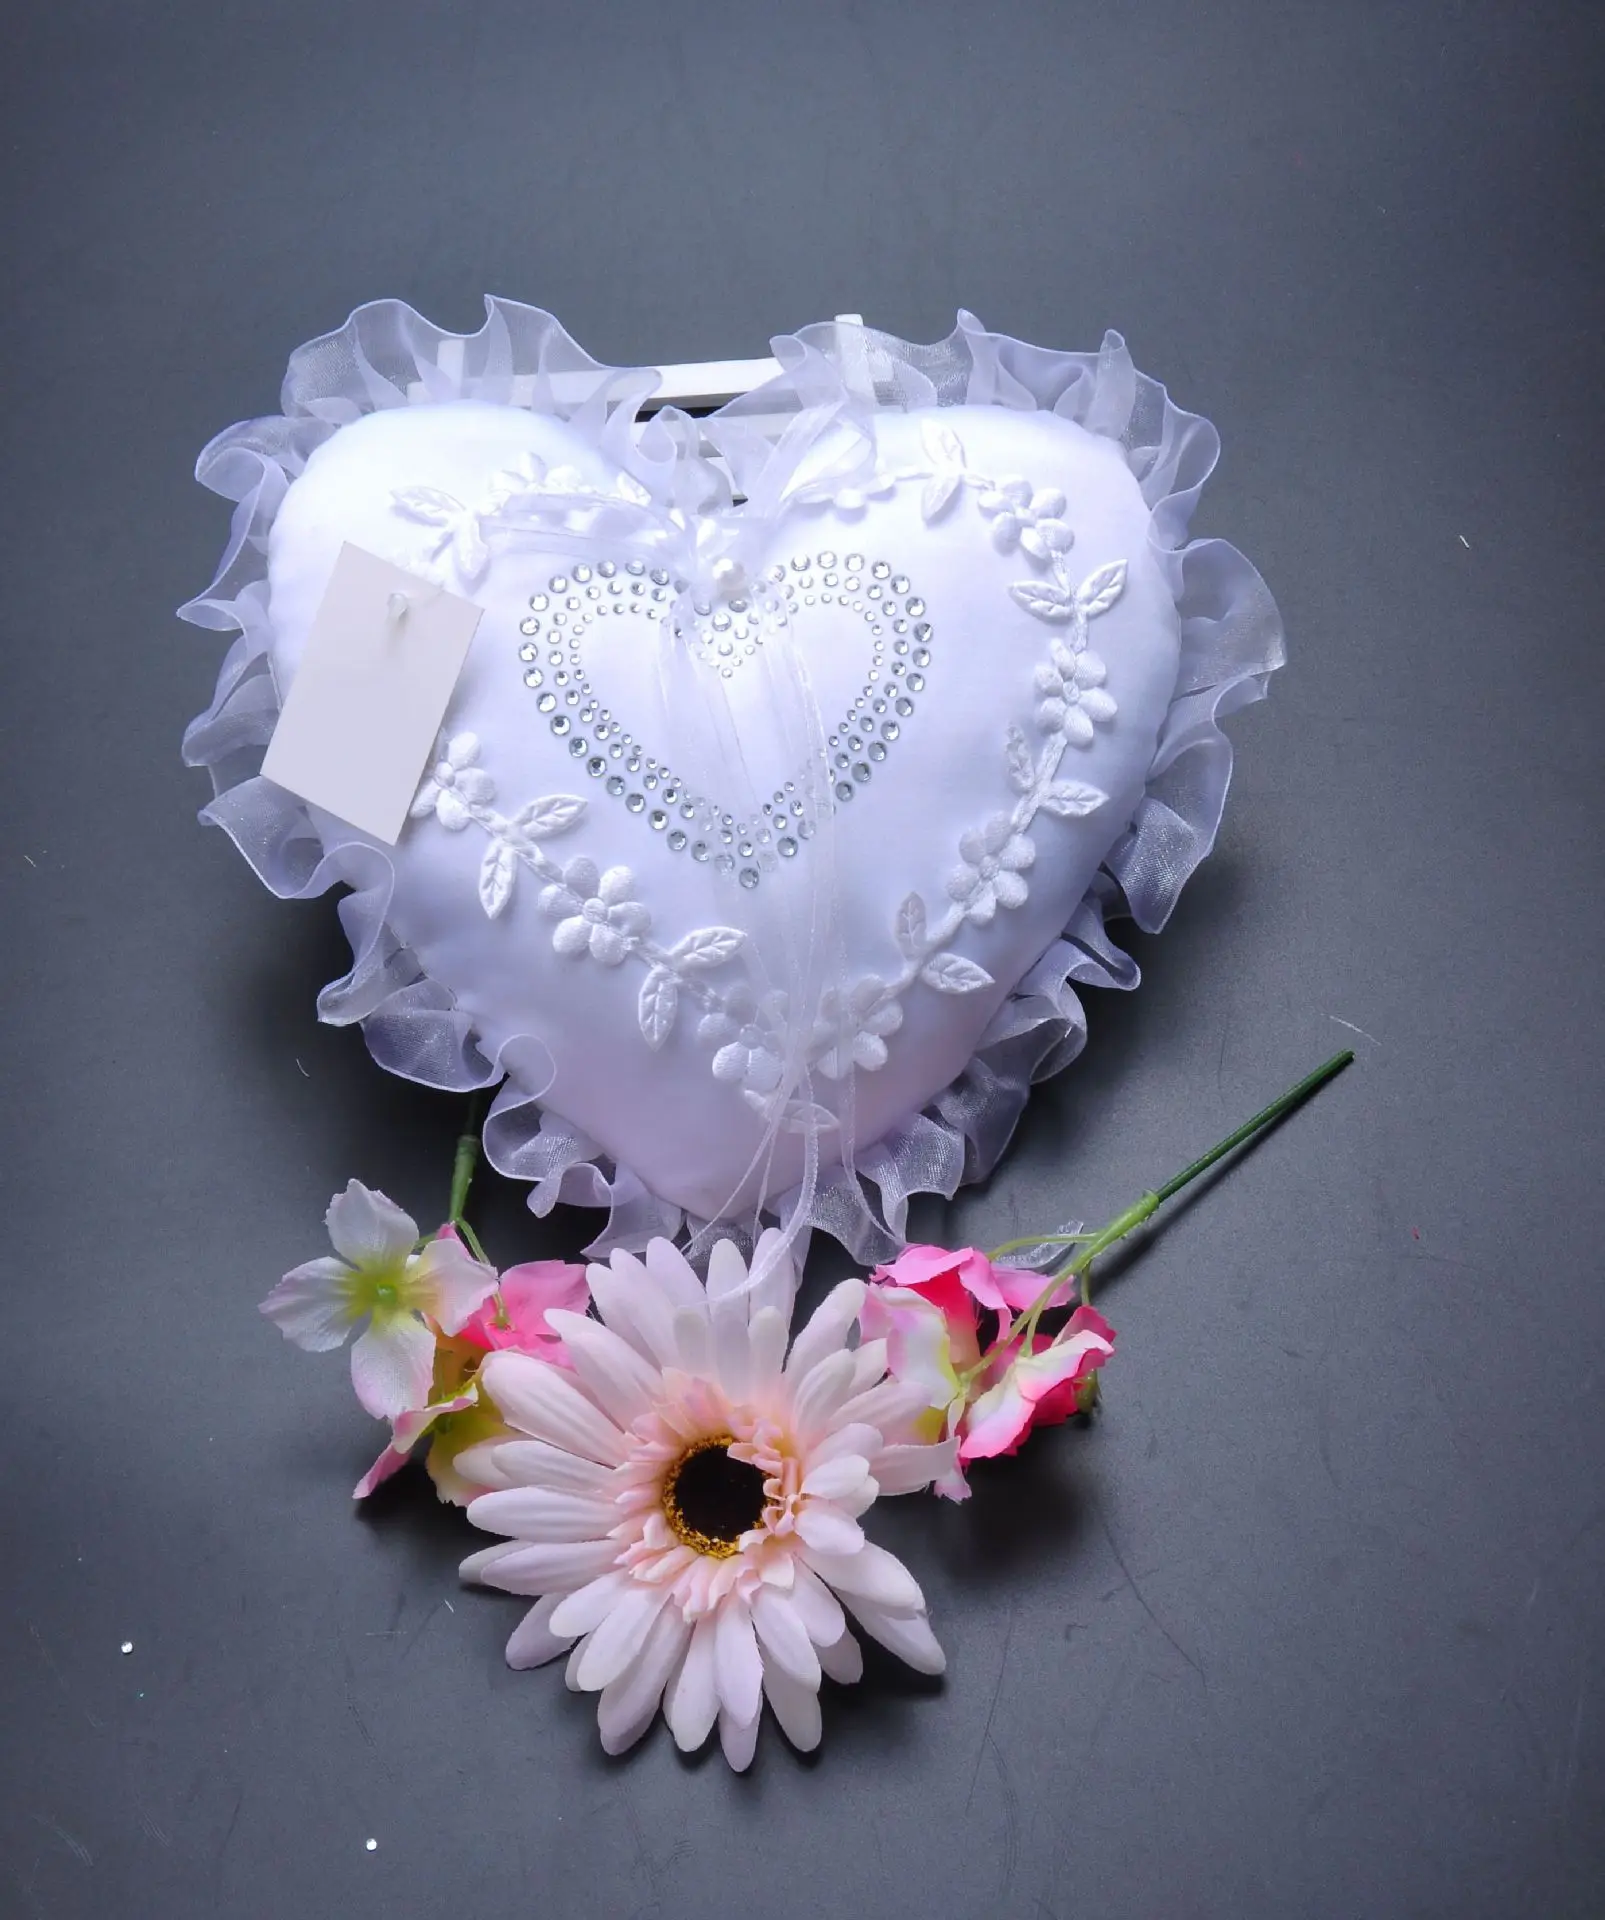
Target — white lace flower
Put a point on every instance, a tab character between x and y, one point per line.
1028	517
454	786
686	1503
595	915
746	1028
994	858
1073	695
851	1028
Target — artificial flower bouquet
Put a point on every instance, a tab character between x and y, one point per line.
678	1478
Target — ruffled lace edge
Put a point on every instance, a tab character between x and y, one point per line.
386	355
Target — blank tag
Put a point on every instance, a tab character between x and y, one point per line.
372	690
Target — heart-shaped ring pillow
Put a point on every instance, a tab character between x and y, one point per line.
799	756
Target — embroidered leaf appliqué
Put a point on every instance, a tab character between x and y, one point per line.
909	927
707	947
658	1005
497	872
939	489
1022	769
952	973
942	445
1045	600
1100	590
428	505
557	813
1069	799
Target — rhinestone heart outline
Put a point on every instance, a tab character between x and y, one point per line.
574	603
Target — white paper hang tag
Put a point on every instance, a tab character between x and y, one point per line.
370	693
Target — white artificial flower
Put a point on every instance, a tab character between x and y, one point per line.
378	1275
454	785
1072	694
686	1501
994	858
595	914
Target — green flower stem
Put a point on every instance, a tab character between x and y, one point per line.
1080	1267
463	1164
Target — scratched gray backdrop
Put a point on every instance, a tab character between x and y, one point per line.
1310	1622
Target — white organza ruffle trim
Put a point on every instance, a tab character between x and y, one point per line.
387	355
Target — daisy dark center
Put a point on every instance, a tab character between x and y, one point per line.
711	1500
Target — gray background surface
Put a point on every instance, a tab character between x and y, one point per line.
1310	1622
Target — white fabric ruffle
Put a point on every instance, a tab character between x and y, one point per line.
388	356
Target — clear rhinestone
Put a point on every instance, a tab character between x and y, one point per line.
855	561
615	786
582	573
923	630
916	683
677	841
561	724
861	772
800	563
560	678
922	656
657	819
877	751
538	603
726	863
546	702
827	559
634	802
891	729
787	846
659	577
636	567
578	747
905	706
534	678
749	877
607	569
560	584
844	789
527	652
596	766
916	608
901	583
572	697
699	850
745	849
529	626
880	570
